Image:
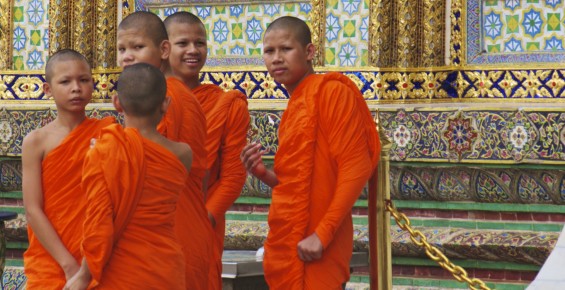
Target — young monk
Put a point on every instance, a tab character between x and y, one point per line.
142	37
52	159
227	118
132	179
328	148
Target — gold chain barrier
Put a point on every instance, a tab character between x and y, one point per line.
434	253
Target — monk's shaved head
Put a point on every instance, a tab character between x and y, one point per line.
289	23
141	89
62	55
183	17
151	25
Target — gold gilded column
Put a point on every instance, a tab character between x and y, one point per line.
128	7
318	22
59	14
104	50
81	33
433	38
6	31
407	34
380	32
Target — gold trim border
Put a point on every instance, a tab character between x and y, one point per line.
6	34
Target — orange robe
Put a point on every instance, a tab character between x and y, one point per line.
227	119
63	204
132	185
185	122
328	148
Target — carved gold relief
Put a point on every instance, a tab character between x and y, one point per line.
380	33
59	13
6	31
82	17
6	94
483	84
269	88
318	22
405	54
28	88
531	84
434	33
105	35
128	7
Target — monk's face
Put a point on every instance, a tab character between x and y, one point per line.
189	50
135	46
71	85
288	61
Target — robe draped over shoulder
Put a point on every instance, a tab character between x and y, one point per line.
328	148
185	122
63	204
227	118
132	186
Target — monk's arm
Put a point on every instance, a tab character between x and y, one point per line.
98	239
32	156
232	172
81	280
343	123
251	156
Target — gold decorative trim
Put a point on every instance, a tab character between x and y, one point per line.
456	41
380	32
81	35
6	32
128	7
105	36
59	36
318	23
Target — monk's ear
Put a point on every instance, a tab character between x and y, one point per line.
310	51
165	49
47	89
117	104
165	104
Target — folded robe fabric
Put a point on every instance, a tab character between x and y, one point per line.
185	122
63	204
328	148
132	186
227	119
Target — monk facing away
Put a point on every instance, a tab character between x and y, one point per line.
328	148
227	119
52	159
132	178
142	37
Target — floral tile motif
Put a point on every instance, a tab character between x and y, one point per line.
30	39
14	278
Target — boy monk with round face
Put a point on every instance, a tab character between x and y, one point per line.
52	158
132	178
142	37
227	118
328	148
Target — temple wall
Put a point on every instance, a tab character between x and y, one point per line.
470	93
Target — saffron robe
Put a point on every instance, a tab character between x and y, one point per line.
227	119
185	122
328	148
63	204
132	186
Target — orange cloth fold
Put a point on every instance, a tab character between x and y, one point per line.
63	204
227	118
186	122
328	148
132	186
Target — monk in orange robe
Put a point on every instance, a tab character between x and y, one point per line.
184	122
328	148
52	159
132	178
227	119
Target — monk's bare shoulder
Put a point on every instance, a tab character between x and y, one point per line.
183	153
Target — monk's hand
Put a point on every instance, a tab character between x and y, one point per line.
71	269
310	249
78	282
251	159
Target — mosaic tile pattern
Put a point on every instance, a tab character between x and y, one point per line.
519	26
30	35
347	33
235	31
14	278
515	31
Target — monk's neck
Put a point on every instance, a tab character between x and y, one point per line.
69	120
290	88
147	126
